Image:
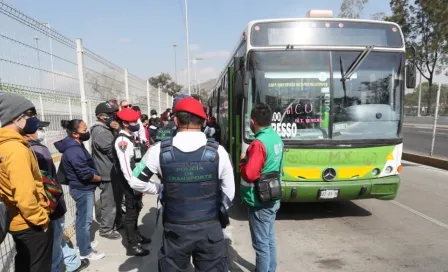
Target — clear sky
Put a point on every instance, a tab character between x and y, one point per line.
139	34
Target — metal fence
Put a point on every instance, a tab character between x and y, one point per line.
49	69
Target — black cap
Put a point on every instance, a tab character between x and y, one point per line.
104	107
43	124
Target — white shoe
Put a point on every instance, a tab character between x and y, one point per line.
94	256
93	244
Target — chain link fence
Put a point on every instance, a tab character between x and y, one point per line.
45	66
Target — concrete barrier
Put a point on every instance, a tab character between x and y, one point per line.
426	160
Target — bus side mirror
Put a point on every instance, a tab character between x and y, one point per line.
411	76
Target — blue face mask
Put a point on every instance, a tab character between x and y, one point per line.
31	126
134	128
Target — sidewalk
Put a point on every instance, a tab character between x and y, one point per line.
116	259
424	126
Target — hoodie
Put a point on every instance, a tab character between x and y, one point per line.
21	186
46	164
102	140
77	163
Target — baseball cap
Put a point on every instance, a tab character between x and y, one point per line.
104	107
179	98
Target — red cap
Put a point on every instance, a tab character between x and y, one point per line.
192	106
128	115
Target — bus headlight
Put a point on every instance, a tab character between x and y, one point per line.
389	169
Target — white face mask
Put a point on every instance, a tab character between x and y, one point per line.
40	135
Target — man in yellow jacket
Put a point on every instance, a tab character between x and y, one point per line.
21	187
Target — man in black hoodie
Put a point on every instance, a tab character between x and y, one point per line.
102	140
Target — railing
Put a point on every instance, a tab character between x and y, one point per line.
47	67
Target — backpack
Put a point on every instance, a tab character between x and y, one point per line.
53	190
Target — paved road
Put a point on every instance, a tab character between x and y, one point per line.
417	139
442	120
408	234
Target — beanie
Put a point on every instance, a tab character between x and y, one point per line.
12	106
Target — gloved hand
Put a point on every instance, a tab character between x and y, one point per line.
159	189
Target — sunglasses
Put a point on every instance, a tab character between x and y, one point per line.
127	106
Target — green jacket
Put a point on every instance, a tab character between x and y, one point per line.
267	144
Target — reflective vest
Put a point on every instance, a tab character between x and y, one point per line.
191	192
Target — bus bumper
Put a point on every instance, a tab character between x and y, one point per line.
384	188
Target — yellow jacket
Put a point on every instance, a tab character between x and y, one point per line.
21	186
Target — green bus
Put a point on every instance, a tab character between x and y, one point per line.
336	88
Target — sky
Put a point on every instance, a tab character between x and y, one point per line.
139	34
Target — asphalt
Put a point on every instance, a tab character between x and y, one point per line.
417	138
407	234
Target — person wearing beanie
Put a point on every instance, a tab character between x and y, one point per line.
128	152
21	187
102	146
198	188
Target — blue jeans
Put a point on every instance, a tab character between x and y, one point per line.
61	251
84	216
262	231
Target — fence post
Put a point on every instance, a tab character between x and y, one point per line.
160	109
167	97
41	104
435	119
148	97
70	108
419	96
82	91
126	84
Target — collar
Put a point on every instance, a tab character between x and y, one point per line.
263	130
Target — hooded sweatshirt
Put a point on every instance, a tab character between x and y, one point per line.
77	163
102	140
21	186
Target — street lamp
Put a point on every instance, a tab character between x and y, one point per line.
188	48
195	60
175	63
38	60
51	51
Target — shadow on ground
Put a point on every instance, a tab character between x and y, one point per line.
148	229
305	211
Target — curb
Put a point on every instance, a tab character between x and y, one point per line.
426	160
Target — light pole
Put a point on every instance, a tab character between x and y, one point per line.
175	62
188	48
38	60
51	52
195	60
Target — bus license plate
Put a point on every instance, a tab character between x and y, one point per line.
328	194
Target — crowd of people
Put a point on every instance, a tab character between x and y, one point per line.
128	148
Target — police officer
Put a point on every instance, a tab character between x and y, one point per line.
128	151
198	187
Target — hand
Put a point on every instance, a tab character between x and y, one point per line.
159	189
45	227
243	156
114	125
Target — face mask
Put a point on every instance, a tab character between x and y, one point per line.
40	136
108	120
31	126
134	128
84	136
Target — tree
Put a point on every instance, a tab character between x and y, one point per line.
379	16
166	83
352	8
425	28
105	85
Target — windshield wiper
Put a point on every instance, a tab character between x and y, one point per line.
352	69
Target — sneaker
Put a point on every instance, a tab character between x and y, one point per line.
93	244
94	256
84	264
113	235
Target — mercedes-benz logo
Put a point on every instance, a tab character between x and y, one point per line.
329	174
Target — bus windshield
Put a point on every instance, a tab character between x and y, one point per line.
297	86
